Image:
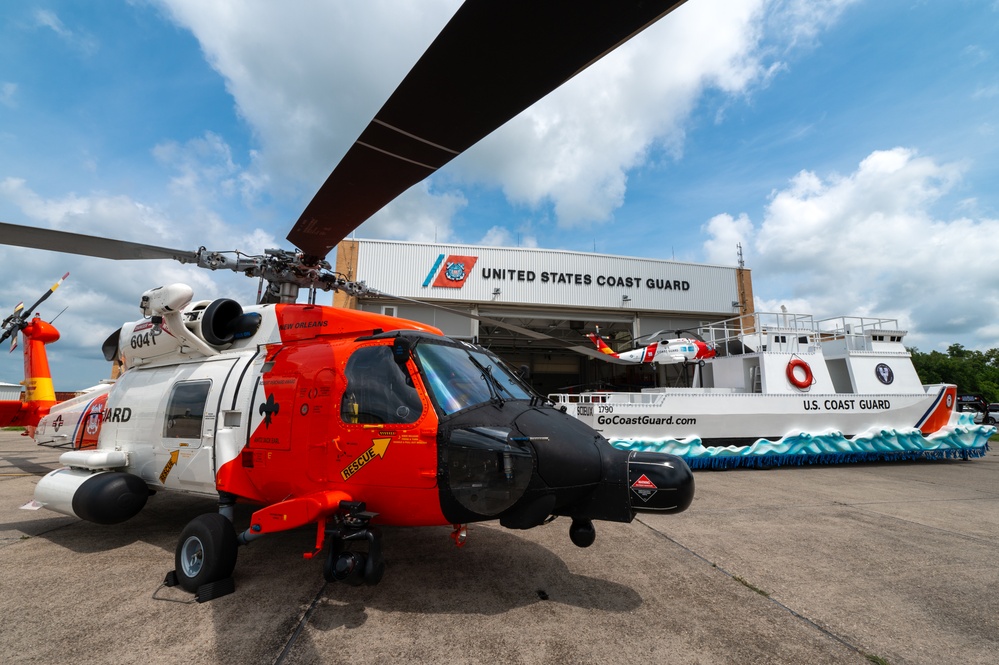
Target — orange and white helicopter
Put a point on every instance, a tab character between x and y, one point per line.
344	419
678	351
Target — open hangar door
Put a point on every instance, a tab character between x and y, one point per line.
554	368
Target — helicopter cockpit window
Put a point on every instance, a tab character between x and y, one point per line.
378	389
460	377
186	410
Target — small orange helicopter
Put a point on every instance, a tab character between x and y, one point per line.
39	395
344	419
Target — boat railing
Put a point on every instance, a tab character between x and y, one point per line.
603	398
794	333
784	331
853	333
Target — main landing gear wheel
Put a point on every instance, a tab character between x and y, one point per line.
206	551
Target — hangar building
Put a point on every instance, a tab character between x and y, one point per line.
563	295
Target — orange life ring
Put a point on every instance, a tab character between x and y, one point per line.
800	384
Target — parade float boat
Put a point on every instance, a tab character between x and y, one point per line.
789	389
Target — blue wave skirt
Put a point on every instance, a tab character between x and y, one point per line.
965	440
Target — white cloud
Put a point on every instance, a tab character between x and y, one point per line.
986	92
499	236
8	91
99	294
100	215
417	214
573	149
206	171
725	234
308	77
801	21
869	243
79	41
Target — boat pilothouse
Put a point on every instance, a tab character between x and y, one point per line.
794	353
780	377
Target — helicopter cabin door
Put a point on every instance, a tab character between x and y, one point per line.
184	454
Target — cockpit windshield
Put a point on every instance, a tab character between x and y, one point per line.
463	376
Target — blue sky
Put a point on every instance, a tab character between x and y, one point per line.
850	146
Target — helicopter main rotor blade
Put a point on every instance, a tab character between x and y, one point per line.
77	243
491	61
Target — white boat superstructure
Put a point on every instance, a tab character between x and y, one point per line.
778	376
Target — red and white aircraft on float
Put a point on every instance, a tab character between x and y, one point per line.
679	351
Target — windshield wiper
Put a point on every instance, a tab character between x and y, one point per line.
493	384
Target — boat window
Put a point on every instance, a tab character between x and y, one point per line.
378	390
186	410
460	376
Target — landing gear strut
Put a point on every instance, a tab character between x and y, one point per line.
354	568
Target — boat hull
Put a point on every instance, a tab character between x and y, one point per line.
727	419
711	429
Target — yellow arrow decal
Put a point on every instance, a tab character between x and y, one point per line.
378	447
169	465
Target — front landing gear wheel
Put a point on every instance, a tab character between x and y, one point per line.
206	551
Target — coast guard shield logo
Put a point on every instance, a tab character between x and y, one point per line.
885	375
452	272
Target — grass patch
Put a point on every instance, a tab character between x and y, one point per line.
877	660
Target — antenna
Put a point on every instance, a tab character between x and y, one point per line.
741	277
59	314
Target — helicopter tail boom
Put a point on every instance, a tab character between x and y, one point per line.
39	394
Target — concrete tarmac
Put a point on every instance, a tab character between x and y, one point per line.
887	563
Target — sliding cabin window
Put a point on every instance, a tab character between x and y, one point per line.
186	410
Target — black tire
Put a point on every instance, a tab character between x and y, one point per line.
990	421
206	551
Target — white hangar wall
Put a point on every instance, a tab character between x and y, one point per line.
544	278
563	295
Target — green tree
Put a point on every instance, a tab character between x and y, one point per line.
972	371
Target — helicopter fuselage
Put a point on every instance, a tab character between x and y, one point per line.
301	407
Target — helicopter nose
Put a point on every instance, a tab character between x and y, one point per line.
529	464
659	483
